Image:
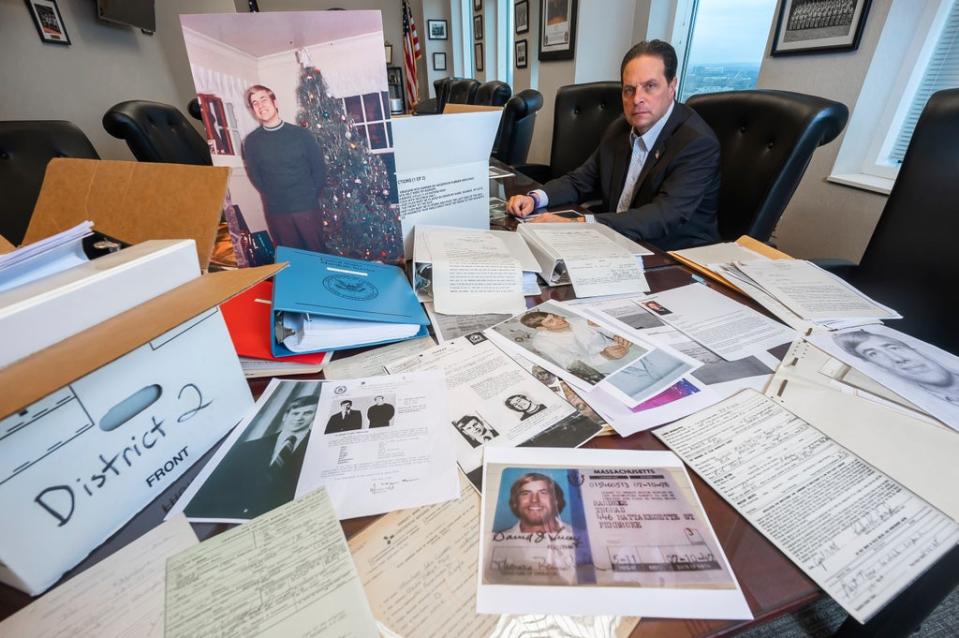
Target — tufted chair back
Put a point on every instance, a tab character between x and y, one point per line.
25	149
516	127
582	114
462	91
766	139
493	93
156	132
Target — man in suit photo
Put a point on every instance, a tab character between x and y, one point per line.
257	475
656	168
380	414
344	420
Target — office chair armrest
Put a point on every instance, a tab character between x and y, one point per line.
536	172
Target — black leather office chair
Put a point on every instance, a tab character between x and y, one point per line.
910	262
516	127
492	93
462	91
157	132
193	108
767	139
582	113
25	149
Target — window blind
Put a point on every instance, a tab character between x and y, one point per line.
941	73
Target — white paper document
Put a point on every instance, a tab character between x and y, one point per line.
45	257
918	452
595	264
493	402
372	362
722	253
918	371
811	292
587	532
858	534
120	596
385	445
721	324
473	272
449	327
287	574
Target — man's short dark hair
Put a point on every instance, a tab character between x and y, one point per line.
379	396
529	477
300	402
345	401
253	89
509	401
466	418
662	50
533	319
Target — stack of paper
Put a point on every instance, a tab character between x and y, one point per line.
322	302
45	257
707	259
804	295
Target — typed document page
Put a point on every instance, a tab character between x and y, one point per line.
858	534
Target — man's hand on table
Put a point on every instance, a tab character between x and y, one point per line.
520	205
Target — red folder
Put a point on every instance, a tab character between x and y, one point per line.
248	319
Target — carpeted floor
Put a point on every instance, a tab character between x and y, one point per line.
822	618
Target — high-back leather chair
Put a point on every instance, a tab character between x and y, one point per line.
516	127
492	93
156	132
766	140
910	262
25	149
582	113
462	91
193	108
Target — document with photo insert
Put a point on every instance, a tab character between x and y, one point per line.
449	327
474	272
920	372
256	468
596	265
723	325
588	532
287	574
918	452
373	362
382	444
494	402
813	293
120	596
857	533
590	354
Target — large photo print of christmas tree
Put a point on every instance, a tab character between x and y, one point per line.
296	104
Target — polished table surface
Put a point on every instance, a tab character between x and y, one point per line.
771	583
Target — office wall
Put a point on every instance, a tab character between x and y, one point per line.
436	10
825	219
105	64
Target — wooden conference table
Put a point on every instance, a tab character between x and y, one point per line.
771	583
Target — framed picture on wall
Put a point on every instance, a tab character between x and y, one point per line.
477	5
46	16
439	61
521	16
388	48
520	54
557	29
477	28
436	30
478	56
808	26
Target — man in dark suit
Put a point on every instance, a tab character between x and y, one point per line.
260	474
344	420
656	169
380	414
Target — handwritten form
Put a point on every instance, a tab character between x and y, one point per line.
121	595
860	535
286	573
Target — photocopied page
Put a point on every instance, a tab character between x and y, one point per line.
596	265
381	444
495	402
288	573
587	532
473	273
721	324
120	596
373	362
858	534
449	327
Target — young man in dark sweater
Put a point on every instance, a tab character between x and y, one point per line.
285	164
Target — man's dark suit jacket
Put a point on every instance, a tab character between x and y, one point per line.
353	421
677	194
245	485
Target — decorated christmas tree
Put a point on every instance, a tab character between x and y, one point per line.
358	218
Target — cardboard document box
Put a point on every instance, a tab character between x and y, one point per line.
40	313
95	427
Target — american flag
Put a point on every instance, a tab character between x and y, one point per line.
411	53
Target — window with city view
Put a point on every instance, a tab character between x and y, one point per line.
726	45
